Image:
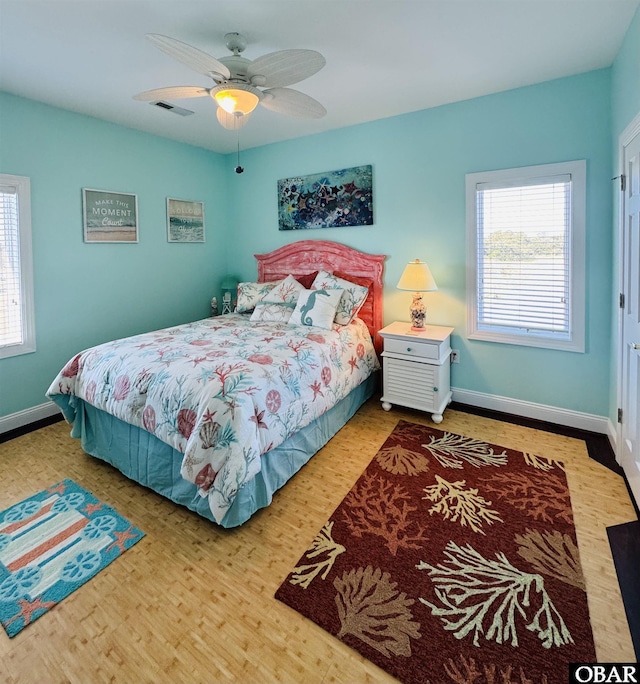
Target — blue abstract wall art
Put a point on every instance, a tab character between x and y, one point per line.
326	200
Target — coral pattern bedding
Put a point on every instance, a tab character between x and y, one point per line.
222	391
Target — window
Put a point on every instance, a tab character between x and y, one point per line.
17	329
525	252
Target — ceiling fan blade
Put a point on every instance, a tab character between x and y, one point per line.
171	93
231	122
292	103
192	57
284	68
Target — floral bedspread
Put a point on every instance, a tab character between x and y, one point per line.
222	390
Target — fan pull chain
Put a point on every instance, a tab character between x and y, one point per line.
239	168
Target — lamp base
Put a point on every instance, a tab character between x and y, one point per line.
418	312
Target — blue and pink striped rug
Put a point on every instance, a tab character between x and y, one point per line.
51	544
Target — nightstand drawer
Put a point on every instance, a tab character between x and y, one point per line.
411	348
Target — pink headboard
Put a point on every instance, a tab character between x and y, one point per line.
306	256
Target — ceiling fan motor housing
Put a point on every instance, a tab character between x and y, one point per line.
238	67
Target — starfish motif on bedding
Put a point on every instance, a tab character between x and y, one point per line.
189	461
257	418
317	389
208	416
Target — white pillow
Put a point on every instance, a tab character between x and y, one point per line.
249	294
352	298
278	305
316	307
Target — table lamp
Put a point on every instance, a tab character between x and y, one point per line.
417	278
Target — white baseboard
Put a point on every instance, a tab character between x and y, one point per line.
528	409
30	415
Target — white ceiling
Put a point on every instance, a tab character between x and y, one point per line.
384	57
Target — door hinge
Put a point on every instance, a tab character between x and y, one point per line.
620	415
622	300
623	181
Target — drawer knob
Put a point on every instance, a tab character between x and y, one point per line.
408	349
435	389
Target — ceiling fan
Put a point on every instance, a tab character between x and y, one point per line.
240	84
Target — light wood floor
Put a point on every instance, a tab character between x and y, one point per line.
193	603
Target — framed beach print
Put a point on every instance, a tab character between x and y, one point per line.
185	221
109	216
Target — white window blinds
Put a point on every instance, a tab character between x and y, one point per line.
10	297
526	231
523	269
16	288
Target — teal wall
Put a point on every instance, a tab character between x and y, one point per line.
88	293
625	80
625	106
419	165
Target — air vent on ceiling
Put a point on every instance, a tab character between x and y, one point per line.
172	108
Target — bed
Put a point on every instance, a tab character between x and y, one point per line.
219	414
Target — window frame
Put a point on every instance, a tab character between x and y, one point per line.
575	341
23	192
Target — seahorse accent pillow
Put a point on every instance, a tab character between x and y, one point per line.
352	298
278	304
316	307
249	294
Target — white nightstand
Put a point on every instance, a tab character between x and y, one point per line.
416	368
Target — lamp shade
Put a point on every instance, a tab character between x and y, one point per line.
229	282
237	98
417	278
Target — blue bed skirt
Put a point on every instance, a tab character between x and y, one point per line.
142	457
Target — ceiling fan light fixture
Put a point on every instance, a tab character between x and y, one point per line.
232	122
236	98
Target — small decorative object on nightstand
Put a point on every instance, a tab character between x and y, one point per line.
229	286
417	278
416	368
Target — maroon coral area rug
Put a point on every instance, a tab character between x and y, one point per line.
451	560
